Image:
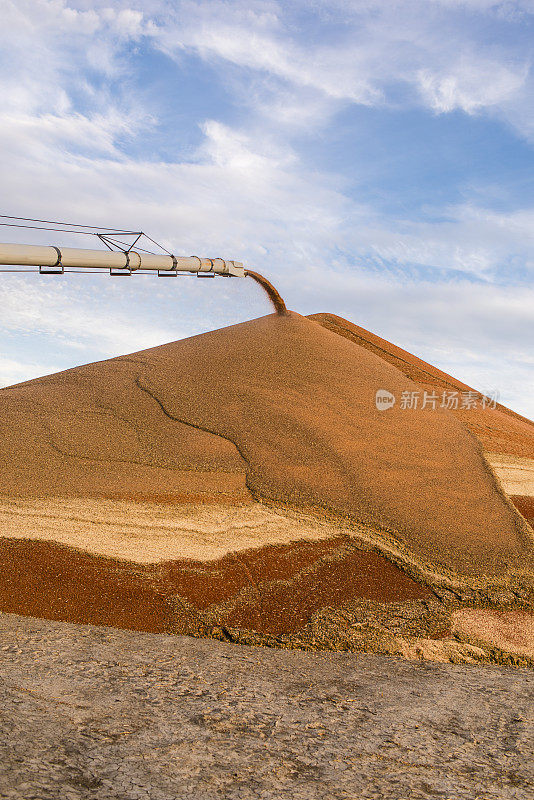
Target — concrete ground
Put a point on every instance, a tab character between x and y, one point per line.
108	714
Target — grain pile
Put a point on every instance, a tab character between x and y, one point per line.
242	484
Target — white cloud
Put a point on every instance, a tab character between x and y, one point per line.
12	371
72	317
95	132
247	41
471	85
374	52
48	45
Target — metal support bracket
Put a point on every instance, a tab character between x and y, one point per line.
122	272
200	274
55	269
51	270
206	274
169	273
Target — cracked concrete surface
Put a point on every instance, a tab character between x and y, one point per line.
106	714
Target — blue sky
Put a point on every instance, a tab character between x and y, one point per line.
374	159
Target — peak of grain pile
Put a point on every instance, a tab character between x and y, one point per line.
242	484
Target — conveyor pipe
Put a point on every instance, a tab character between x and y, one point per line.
27	255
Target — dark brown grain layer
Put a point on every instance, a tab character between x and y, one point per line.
270	590
525	505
